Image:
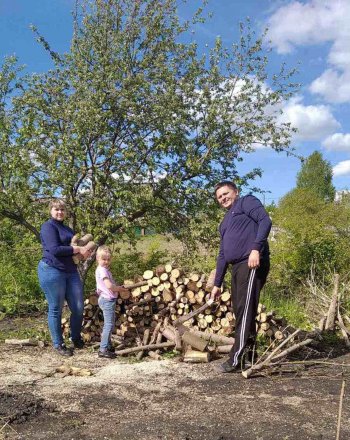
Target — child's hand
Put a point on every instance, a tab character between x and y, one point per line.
121	289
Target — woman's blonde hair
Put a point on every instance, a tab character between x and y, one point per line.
103	250
57	203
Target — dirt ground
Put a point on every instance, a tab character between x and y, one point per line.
166	400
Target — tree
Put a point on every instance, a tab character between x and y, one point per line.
133	126
316	175
311	233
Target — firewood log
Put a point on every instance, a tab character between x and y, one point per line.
225	296
160	270
148	274
145	347
224	349
168	268
194	341
154	355
175	273
93	299
193	356
25	342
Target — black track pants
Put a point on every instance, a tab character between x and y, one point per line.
245	293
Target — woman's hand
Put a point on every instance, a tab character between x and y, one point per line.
84	251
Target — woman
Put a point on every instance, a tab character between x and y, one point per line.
59	277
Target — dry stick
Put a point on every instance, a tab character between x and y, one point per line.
145	347
340	323
345	332
144	342
155	332
259	365
332	311
312	362
291	349
201	309
340	409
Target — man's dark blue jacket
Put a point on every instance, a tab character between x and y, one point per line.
244	228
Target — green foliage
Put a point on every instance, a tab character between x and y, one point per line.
316	176
310	233
19	287
133	126
291	306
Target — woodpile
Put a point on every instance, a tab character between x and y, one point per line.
168	308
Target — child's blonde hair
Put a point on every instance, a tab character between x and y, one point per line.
103	250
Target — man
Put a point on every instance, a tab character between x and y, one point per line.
244	231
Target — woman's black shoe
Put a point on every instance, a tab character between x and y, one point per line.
111	349
107	354
63	350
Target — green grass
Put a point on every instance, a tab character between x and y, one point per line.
25	327
291	308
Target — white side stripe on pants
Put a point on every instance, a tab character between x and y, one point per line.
244	319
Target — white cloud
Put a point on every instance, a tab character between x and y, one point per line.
313	122
342	168
337	142
316	22
333	86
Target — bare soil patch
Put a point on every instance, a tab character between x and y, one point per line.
165	400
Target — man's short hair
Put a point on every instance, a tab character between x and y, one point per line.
225	183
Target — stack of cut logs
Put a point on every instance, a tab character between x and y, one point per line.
165	302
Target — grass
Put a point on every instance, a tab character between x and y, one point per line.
25	327
291	308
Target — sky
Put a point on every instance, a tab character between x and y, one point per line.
313	35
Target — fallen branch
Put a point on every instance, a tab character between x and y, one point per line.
291	349
73	371
342	392
145	347
259	365
332	311
201	309
145	341
25	342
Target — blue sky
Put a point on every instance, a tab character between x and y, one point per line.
313	33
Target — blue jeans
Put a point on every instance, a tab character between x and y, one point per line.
108	308
59	286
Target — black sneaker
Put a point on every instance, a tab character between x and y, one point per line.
111	349
227	367
106	354
63	350
79	344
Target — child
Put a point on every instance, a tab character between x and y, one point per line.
107	291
